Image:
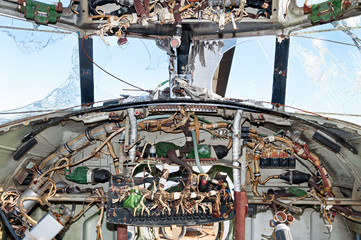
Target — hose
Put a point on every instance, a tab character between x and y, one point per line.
257	174
176	13
88	157
269	178
80	142
139	8
114	156
306	154
24	211
153	117
133	133
102	206
174	155
196	156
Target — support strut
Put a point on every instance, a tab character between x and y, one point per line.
183	70
280	71
183	52
86	71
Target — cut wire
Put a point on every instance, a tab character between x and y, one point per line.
326	40
309	112
23	112
299	109
36	30
325	30
119	79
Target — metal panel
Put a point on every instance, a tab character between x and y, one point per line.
223	71
308	226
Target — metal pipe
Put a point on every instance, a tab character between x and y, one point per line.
236	134
29	204
133	133
240	196
329	201
36	191
80	198
196	156
122	232
243	169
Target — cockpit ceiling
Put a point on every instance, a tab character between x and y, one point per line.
209	30
204	19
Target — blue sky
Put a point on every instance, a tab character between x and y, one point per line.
322	77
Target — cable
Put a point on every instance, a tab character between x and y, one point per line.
8	225
326	40
299	109
74	219
82	46
36	30
317	114
340	114
325	30
35	111
300	160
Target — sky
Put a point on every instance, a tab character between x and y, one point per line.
322	76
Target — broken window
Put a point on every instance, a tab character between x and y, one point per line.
38	77
324	70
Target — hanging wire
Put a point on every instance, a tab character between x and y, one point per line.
325	30
119	79
24	112
326	40
312	113
340	114
36	30
298	109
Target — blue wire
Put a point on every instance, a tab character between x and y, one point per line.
8	225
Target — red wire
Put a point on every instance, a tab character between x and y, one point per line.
299	109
